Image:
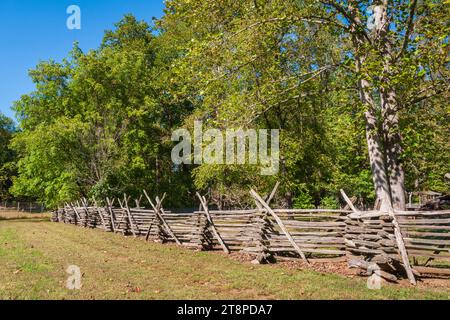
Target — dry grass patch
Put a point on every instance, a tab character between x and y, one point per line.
13	214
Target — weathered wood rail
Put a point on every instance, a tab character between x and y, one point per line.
363	238
317	232
370	237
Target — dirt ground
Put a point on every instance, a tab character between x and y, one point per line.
340	267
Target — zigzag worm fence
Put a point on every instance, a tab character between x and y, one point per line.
369	237
318	232
361	238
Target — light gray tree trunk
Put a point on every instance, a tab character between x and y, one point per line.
374	142
393	149
389	108
375	149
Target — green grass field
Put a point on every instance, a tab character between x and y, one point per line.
35	253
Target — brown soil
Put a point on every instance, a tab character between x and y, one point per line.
326	266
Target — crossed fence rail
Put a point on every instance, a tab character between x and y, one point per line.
398	242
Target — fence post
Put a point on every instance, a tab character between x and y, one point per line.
401	247
261	228
87	214
211	223
158	209
100	213
280	223
109	205
202	240
128	212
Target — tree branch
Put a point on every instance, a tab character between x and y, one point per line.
410	28
351	19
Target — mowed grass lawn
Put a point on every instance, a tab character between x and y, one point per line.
35	253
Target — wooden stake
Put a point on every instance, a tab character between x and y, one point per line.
157	210
264	252
111	214
211	223
147	235
76	212
86	211
129	214
349	202
166	225
100	214
280	223
138	201
402	248
272	194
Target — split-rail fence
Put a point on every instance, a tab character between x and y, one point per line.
397	243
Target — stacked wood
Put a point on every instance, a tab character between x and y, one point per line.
58	215
259	241
369	236
253	231
317	234
363	238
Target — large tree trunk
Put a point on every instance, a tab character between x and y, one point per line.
393	148
384	147
374	142
389	108
375	149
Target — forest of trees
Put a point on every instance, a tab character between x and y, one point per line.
359	90
7	157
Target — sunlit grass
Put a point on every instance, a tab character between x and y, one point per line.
13	214
34	256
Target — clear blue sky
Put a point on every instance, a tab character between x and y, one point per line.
35	30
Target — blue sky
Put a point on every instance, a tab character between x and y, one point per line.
35	30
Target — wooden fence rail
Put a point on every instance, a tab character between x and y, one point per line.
319	233
370	236
363	238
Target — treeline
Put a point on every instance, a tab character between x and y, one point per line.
7	157
362	105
